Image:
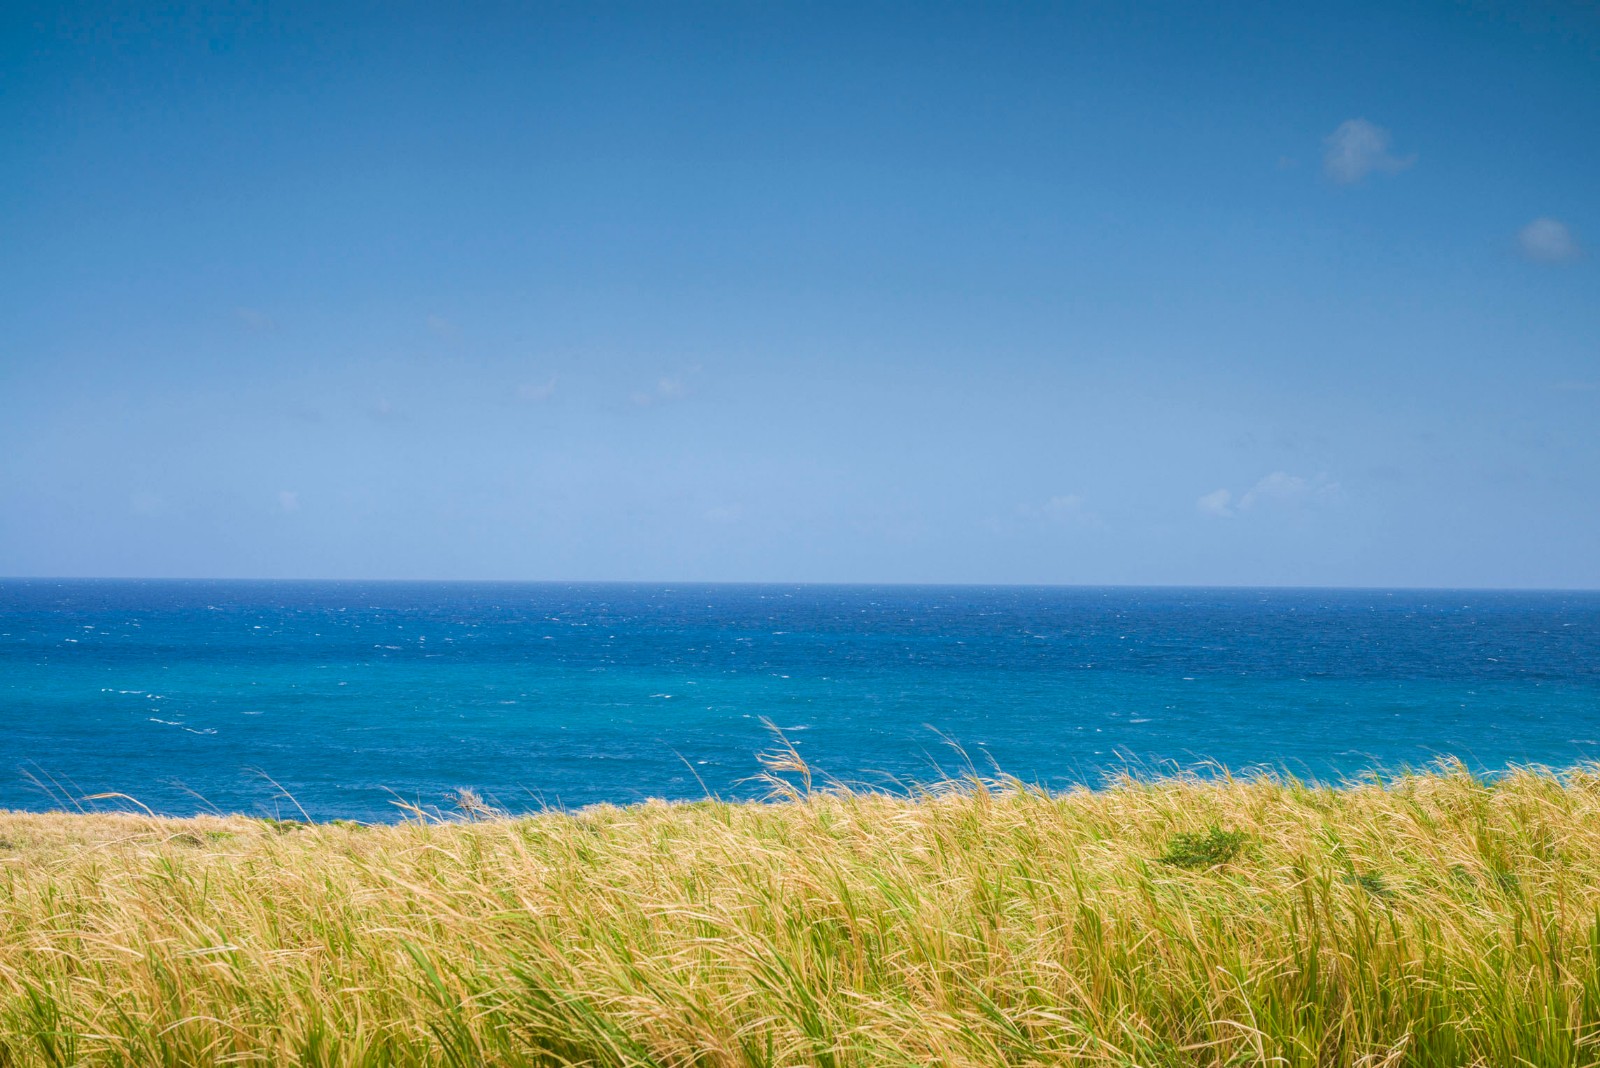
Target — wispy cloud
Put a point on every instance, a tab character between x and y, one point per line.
666	389
1279	490
1285	490
289	500
1218	503
1359	148
1068	510
1547	240
537	391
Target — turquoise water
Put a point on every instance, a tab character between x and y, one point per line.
340	698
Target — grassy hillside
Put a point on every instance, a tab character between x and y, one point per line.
1434	920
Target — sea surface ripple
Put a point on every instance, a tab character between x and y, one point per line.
340	699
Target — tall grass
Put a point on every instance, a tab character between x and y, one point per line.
1433	920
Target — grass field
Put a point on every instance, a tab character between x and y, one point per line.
1435	919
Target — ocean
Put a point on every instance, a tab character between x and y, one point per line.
349	700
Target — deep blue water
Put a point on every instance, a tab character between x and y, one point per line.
232	695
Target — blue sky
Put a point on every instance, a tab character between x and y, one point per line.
1278	294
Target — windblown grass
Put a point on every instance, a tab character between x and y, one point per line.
1434	920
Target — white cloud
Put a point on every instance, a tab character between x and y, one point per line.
1217	502
667	389
537	391
1285	490
289	500
1359	148
1547	240
1068	510
1279	490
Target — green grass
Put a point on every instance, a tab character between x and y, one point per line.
1433	920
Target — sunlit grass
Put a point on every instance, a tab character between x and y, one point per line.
1436	919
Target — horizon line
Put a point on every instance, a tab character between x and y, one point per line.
808	583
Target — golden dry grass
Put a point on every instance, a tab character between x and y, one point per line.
1436	919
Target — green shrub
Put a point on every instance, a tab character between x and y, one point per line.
1216	846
